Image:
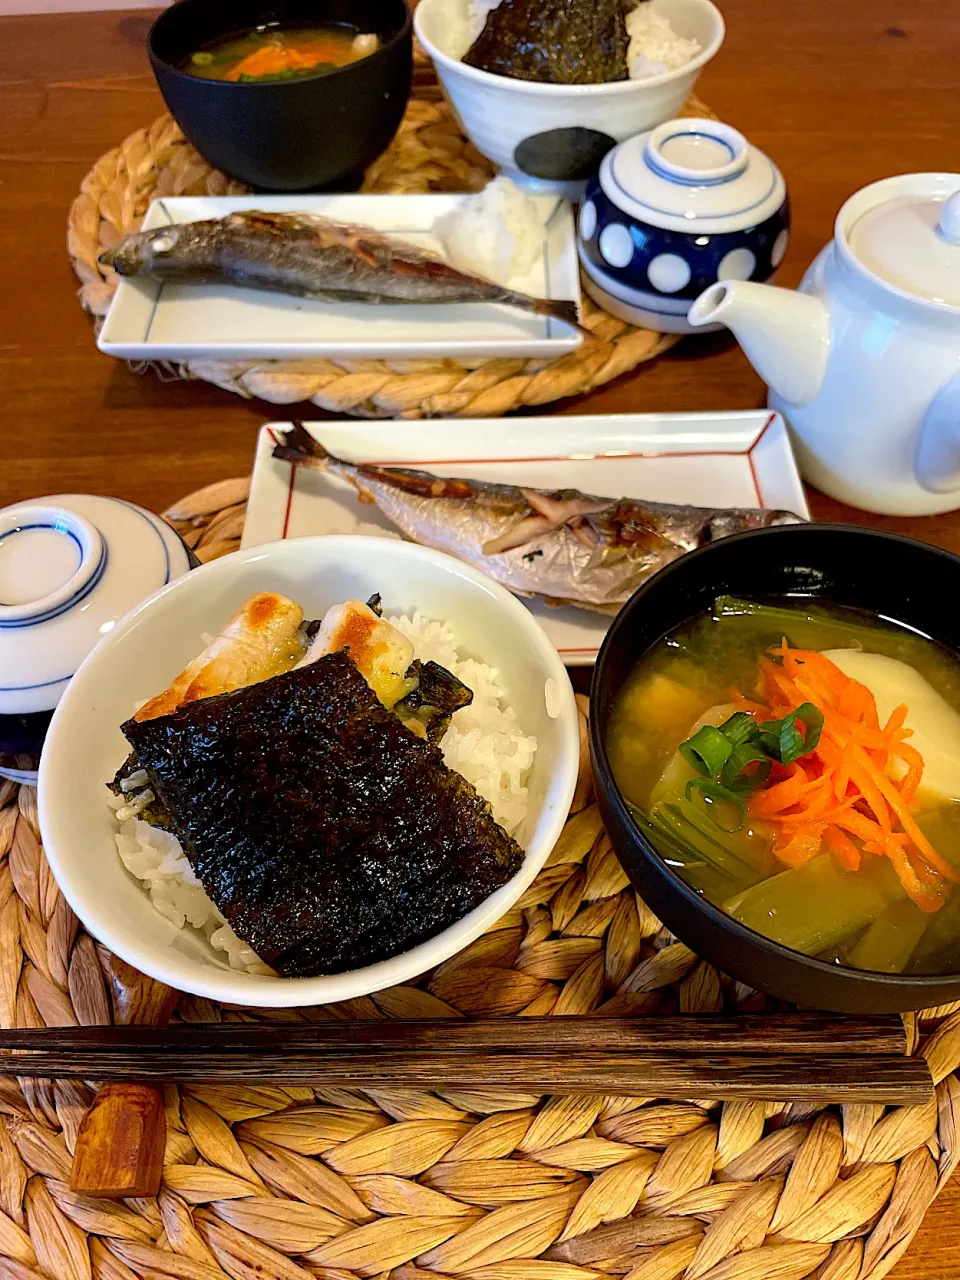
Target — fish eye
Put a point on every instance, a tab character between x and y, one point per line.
164	242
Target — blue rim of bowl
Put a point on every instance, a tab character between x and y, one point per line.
716	915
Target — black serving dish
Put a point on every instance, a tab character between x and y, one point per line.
909	582
287	135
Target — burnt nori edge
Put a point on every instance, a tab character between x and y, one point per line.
438	695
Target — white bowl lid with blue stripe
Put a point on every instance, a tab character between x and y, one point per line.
70	567
693	175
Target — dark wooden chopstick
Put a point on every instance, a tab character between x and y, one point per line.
897	1080
804	1058
804	1033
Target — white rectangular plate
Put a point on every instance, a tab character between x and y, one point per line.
149	321
707	459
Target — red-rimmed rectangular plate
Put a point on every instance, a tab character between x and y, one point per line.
708	459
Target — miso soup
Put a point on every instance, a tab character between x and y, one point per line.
276	52
799	767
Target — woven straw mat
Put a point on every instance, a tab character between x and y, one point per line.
269	1183
429	154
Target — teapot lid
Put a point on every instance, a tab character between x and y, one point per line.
913	243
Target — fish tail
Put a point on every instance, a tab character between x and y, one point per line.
562	309
298	445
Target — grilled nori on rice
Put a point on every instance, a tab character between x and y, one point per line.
328	834
554	41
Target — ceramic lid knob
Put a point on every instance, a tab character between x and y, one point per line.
48	556
949	224
696	157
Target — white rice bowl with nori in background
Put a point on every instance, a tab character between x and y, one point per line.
654	45
484	744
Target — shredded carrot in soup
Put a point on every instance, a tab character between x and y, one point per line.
844	789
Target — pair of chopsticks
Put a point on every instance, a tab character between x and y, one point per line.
800	1057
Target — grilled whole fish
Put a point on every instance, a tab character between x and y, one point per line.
327	833
566	546
310	257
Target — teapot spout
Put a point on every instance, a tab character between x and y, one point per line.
785	335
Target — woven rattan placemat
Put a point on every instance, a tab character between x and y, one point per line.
429	154
291	1183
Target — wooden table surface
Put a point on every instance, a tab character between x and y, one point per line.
839	92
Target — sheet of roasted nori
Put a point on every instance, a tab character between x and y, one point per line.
554	41
327	833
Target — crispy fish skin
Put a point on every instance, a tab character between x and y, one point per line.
566	546
259	641
327	834
310	257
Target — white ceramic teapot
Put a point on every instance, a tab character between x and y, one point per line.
864	362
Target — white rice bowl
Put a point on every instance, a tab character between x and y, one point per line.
654	45
151	645
484	744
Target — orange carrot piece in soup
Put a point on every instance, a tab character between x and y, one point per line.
268	61
844	788
842	847
273	60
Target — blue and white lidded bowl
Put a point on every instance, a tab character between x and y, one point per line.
70	567
675	210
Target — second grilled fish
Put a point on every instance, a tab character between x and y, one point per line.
310	257
567	546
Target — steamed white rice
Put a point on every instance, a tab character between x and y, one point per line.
654	45
497	233
485	744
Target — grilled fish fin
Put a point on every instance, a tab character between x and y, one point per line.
298	445
565	311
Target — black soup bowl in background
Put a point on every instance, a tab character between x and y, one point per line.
906	581
287	135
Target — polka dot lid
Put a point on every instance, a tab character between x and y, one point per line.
691	175
673	211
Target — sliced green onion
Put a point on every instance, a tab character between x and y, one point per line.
740	728
732	774
811	718
784	741
707	751
714	793
202	59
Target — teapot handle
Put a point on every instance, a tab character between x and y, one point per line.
938	449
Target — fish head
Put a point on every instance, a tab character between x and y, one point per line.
165	253
140	253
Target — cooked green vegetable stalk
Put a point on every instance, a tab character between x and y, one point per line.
813	907
811	628
708	859
891	940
